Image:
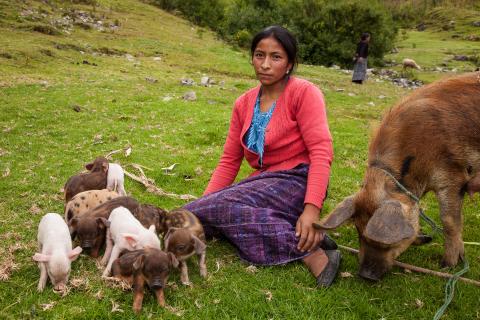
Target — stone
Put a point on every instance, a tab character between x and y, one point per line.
150	79
190	96
187	82
460	58
205	81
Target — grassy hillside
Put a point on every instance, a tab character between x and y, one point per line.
124	76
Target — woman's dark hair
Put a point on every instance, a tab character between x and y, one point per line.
364	36
284	37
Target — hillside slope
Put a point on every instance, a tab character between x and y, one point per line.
72	88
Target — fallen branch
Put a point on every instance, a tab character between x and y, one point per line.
152	188
419	269
108	156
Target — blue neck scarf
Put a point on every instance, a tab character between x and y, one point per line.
255	138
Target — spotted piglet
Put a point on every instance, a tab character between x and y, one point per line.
184	238
56	254
126	233
87	200
145	267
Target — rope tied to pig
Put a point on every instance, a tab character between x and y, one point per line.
450	286
426	218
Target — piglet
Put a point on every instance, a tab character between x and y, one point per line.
183	243
115	179
126	233
90	227
87	200
56	252
146	267
96	179
184	238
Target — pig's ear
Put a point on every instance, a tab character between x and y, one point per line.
89	166
152	228
138	263
40	257
342	212
105	167
388	224
173	260
131	239
104	222
73	255
199	245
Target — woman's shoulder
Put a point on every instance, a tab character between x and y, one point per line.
249	95
300	86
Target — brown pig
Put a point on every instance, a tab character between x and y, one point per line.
184	238
96	179
149	215
149	267
183	243
430	141
90	227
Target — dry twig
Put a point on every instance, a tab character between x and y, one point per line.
152	188
419	269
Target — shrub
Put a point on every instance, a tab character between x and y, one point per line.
327	31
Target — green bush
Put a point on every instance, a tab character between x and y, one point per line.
327	31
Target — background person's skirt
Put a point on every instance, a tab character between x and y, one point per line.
360	70
258	215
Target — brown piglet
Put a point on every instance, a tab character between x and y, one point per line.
184	238
96	179
146	267
90	227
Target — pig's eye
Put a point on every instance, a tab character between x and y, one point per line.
181	247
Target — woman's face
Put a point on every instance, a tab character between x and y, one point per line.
270	61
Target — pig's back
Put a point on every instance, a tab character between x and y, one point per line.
122	220
441	120
53	229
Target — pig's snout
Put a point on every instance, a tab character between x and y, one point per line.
156	284
60	287
369	275
372	271
87	245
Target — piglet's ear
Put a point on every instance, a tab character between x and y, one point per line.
73	255
199	245
388	224
131	239
40	257
152	228
138	263
105	167
342	212
103	221
89	166
173	260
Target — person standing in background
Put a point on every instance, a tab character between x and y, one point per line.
360	67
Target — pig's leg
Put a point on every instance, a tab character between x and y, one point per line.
184	273
160	297
43	276
202	264
113	257
451	201
108	248
138	288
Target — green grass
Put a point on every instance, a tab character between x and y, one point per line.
43	142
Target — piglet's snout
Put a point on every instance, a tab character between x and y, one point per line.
60	287
157	284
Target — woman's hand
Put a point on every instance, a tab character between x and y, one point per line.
309	236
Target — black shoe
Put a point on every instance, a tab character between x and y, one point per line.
328	243
328	275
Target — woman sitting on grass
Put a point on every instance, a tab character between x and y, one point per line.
281	128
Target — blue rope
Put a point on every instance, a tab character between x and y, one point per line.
450	286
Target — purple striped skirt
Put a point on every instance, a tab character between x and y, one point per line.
258	215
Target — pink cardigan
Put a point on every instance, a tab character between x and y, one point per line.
297	133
